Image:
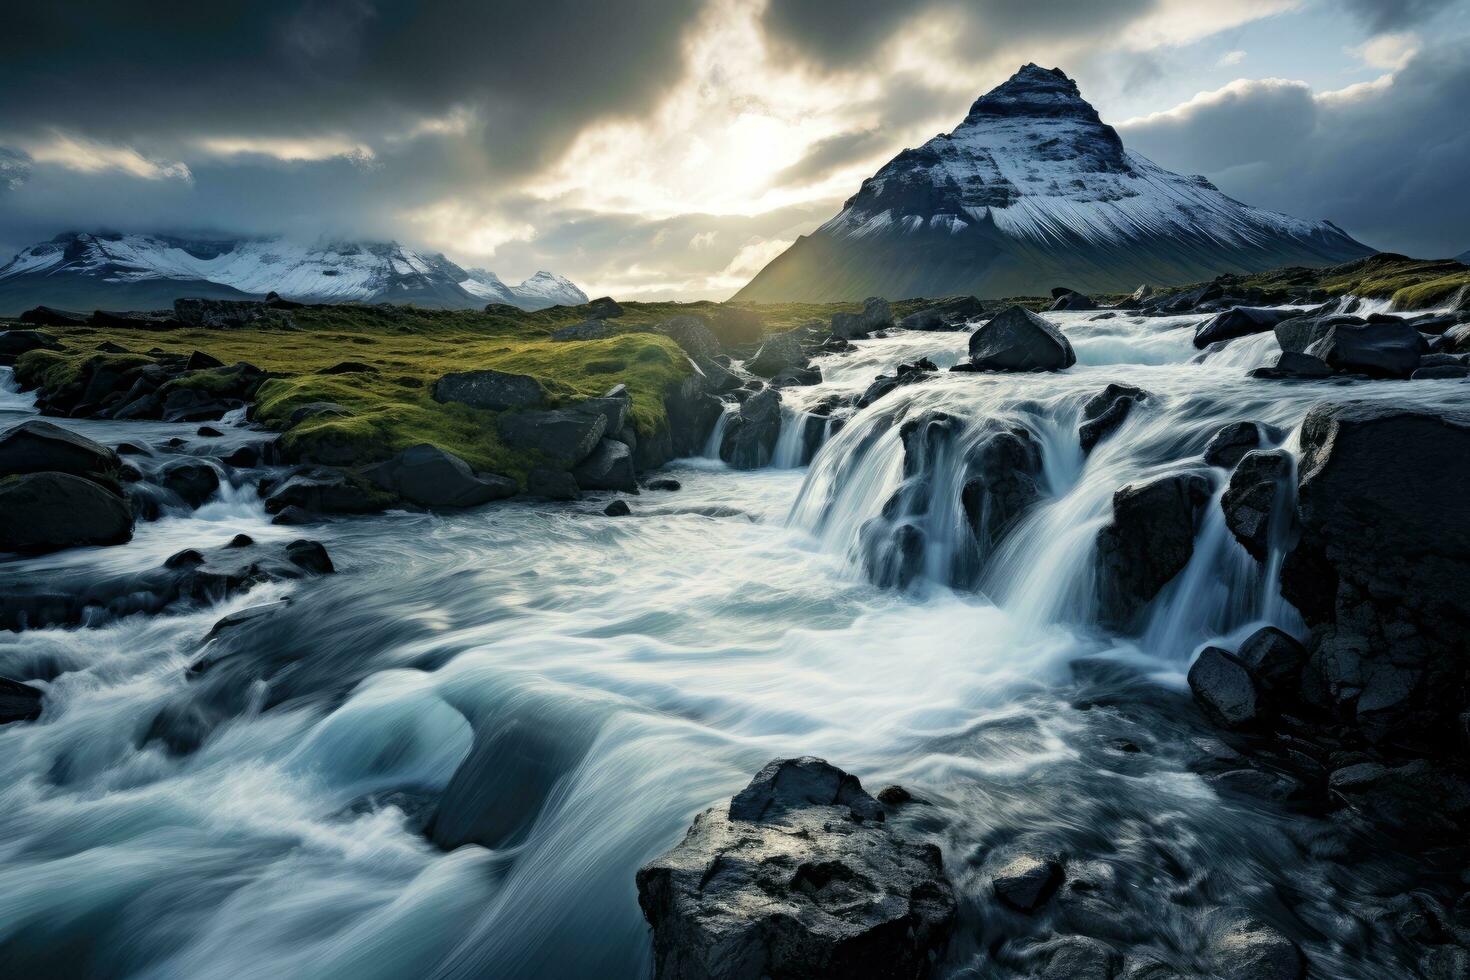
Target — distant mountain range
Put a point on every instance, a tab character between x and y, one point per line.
84	271
1033	191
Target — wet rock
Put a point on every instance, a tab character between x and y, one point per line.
1239	321
1298	333
1440	372
693	334
18	702
14	343
1076	958
779	353
36	446
1381	572
1070	299
1379	349
797	876
1026	881
1233	440
194	483
1105	411
326	491
1257	497
1018	340
614	407
246	457
1424	798
1274	658
1225	689
1243	948
1445	963
876	315
294	516
894	796
431	477
1002	481
1149	540
564	436
608	467
618	508
948	314
43	512
893	554
552	484
1294	365
1258	784
495	390
586	330
751	434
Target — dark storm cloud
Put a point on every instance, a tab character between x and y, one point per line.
148	72
842	34
1392	15
1386	163
829	154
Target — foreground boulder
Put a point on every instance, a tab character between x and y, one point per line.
36	446
564	436
495	390
1149	540
1225	689
431	477
876	315
796	877
608	467
1388	348
1382	570
41	512
1018	340
1239	321
780	352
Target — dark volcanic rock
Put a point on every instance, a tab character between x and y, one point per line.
495	390
1382	571
780	352
876	315
618	508
325	491
1018	340
18	702
693	334
1069	299
1148	542
1257	501
1244	948
564	436
1274	658
47	316
797	877
1105	411
751	434
609	467
41	512
193	482
431	477
14	343
734	326
1026	881
1293	365
552	484
1379	348
1239	321
36	446
1298	333
1225	689
948	314
1234	439
586	330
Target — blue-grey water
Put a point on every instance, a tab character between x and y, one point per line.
635	670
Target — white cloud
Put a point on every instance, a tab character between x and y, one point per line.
287	148
90	156
1230	58
1388	51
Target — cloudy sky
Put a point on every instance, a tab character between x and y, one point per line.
669	148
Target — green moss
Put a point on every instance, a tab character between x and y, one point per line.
1431	293
57	369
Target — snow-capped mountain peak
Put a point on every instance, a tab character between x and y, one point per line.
122	271
1032	190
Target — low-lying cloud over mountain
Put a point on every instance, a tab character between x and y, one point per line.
646	149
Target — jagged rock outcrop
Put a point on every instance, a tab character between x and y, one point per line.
797	876
1149	540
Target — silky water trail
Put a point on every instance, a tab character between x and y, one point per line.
601	680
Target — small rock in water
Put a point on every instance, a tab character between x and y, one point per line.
1225	689
618	508
18	702
1027	881
664	483
208	432
894	796
1246	949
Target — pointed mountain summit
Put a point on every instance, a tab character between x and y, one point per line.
1030	191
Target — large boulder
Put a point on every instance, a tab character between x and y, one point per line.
1382	570
1233	440
1069	299
798	876
1298	333
586	330
14	343
564	436
193	481
608	467
780	352
1105	411
324	491
1242	947
1238	321
1149	540
431	477
693	334
876	315
1293	366
35	446
948	314
1385	348
1018	340
736	326
41	512
1226	689
1257	501
495	390
49	316
751	434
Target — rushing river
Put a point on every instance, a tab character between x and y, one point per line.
621	674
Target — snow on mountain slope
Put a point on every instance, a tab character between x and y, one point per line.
123	271
1033	190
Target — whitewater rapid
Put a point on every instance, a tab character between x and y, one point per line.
625	673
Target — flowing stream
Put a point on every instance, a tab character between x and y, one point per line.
625	673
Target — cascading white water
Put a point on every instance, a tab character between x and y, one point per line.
661	660
717	434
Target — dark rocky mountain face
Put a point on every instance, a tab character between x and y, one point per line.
1030	190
